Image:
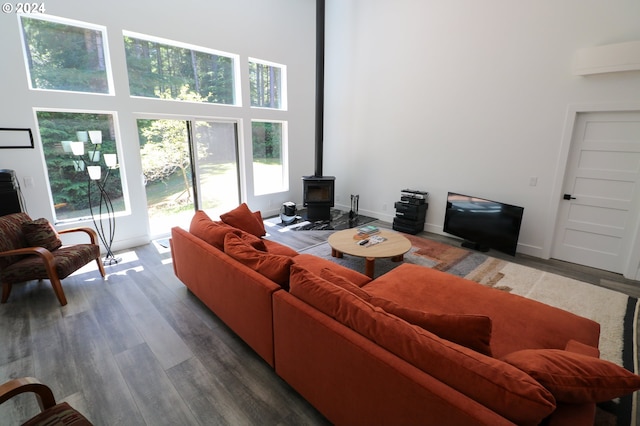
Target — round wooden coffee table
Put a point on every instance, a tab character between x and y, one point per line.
395	246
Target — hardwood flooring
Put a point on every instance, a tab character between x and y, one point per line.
138	349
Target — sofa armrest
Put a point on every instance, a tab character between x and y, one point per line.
238	295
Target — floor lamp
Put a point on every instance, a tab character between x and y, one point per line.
105	223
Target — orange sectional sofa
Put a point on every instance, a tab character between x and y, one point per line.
414	346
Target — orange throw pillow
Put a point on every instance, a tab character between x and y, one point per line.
471	331
243	218
209	231
575	378
273	266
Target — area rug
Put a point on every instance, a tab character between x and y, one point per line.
614	311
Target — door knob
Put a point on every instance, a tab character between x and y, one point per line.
568	197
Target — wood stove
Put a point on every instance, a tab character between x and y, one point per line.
318	196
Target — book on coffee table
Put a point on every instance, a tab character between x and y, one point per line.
365	231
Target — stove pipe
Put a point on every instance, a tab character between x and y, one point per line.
319	145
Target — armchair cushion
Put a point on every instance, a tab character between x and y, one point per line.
67	260
40	233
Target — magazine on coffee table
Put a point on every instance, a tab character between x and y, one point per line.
371	241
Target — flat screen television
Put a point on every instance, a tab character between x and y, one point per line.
483	224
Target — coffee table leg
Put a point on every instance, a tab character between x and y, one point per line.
336	253
369	265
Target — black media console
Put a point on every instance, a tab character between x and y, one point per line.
411	211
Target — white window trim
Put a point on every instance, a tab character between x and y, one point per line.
283	82
284	153
121	162
235	57
74	23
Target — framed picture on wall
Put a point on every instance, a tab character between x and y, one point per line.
15	138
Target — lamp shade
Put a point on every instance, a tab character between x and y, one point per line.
94	172
111	160
82	136
95	136
77	148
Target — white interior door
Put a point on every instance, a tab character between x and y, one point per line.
597	223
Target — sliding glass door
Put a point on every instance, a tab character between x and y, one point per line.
188	165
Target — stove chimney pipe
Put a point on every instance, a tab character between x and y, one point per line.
319	145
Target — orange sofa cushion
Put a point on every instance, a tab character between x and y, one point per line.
499	386
209	231
316	264
243	218
575	378
273	266
214	232
471	331
277	248
542	327
340	281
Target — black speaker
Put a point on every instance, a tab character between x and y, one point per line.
9	203
9	193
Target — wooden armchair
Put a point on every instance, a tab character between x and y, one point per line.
32	250
51	413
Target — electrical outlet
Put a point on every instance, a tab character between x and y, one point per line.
533	180
28	182
384	207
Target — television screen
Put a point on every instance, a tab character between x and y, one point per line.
483	224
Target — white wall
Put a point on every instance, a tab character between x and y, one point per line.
465	96
281	31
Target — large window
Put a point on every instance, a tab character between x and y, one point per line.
69	179
267	84
270	173
60	56
168	70
187	165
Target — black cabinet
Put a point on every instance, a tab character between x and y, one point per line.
411	211
9	193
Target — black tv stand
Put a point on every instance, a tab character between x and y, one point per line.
475	246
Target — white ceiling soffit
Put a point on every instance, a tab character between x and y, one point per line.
609	58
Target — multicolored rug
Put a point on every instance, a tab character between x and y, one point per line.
616	312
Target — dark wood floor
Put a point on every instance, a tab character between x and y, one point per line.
138	349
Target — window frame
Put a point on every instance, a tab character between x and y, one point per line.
121	164
283	83
284	156
74	23
237	83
